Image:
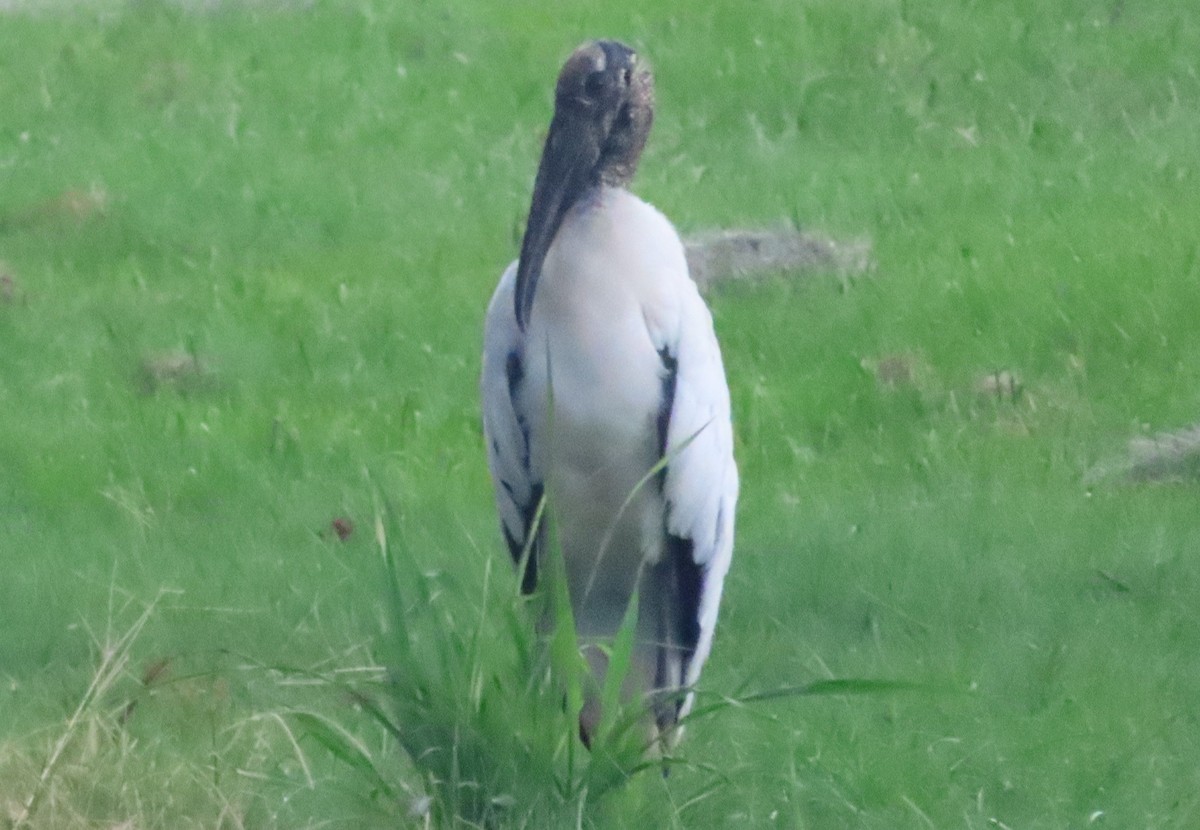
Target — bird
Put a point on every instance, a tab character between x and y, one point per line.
605	400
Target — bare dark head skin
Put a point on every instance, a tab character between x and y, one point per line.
603	108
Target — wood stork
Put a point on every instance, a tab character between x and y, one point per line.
599	362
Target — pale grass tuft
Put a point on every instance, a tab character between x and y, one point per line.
81	726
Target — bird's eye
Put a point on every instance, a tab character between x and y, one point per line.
593	85
624	118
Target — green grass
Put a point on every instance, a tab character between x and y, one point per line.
312	207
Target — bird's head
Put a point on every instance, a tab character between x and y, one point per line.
603	109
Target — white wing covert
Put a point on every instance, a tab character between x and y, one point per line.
700	482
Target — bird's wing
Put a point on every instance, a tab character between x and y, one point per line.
505	429
700	481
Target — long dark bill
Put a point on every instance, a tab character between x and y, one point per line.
564	175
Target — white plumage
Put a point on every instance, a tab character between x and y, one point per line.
608	367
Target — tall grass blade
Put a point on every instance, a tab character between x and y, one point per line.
343	746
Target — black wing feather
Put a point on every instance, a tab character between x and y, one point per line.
514	372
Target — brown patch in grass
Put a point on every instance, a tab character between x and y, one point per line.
1002	384
1168	456
10	289
164	81
745	254
77	205
901	370
174	370
892	371
341	527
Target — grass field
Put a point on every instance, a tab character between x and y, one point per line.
246	255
